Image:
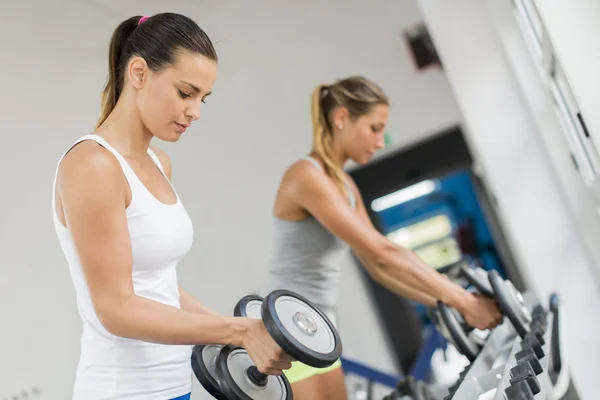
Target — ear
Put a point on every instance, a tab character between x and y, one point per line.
340	117
137	72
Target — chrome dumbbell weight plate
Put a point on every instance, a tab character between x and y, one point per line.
297	326
241	379
204	367
249	306
235	369
478	278
456	332
301	329
511	302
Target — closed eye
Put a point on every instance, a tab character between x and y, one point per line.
184	95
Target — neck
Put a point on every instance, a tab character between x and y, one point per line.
338	160
124	130
339	156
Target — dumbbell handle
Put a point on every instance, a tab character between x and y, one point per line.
257	377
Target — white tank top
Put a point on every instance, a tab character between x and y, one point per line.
112	367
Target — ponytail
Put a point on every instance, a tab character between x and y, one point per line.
323	137
356	94
157	39
114	83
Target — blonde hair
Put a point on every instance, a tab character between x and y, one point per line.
358	95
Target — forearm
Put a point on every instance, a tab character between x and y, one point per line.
189	303
147	320
404	290
396	286
405	266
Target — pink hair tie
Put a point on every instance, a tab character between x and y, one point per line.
142	20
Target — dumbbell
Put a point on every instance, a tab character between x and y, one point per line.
478	278
510	300
296	325
524	384
511	303
453	327
530	325
467	340
451	324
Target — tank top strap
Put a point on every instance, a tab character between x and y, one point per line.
156	160
313	162
127	170
351	197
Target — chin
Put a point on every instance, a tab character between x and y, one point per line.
360	160
169	137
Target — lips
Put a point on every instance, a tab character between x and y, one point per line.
181	127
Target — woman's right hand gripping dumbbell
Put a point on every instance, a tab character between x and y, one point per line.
481	312
268	357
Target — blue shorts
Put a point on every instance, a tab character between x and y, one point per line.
184	397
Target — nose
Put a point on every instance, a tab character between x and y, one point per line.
380	142
193	112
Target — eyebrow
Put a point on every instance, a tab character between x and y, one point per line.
194	87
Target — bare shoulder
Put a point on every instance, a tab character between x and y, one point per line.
303	172
164	159
89	157
89	165
303	181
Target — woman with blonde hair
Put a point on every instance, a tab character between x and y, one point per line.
319	216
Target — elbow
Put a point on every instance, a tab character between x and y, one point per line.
109	319
387	257
382	255
110	313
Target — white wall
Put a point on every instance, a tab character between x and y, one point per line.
226	168
571	44
509	126
574	31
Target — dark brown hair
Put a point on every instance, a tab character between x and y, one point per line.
158	40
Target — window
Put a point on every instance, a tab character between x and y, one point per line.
534	34
583	151
431	239
530	23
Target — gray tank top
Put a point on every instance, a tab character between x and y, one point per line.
307	259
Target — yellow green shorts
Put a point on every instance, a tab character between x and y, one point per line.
300	371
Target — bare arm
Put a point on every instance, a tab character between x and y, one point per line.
383	276
388	263
93	195
317	194
397	286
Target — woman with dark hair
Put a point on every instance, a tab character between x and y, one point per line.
123	228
